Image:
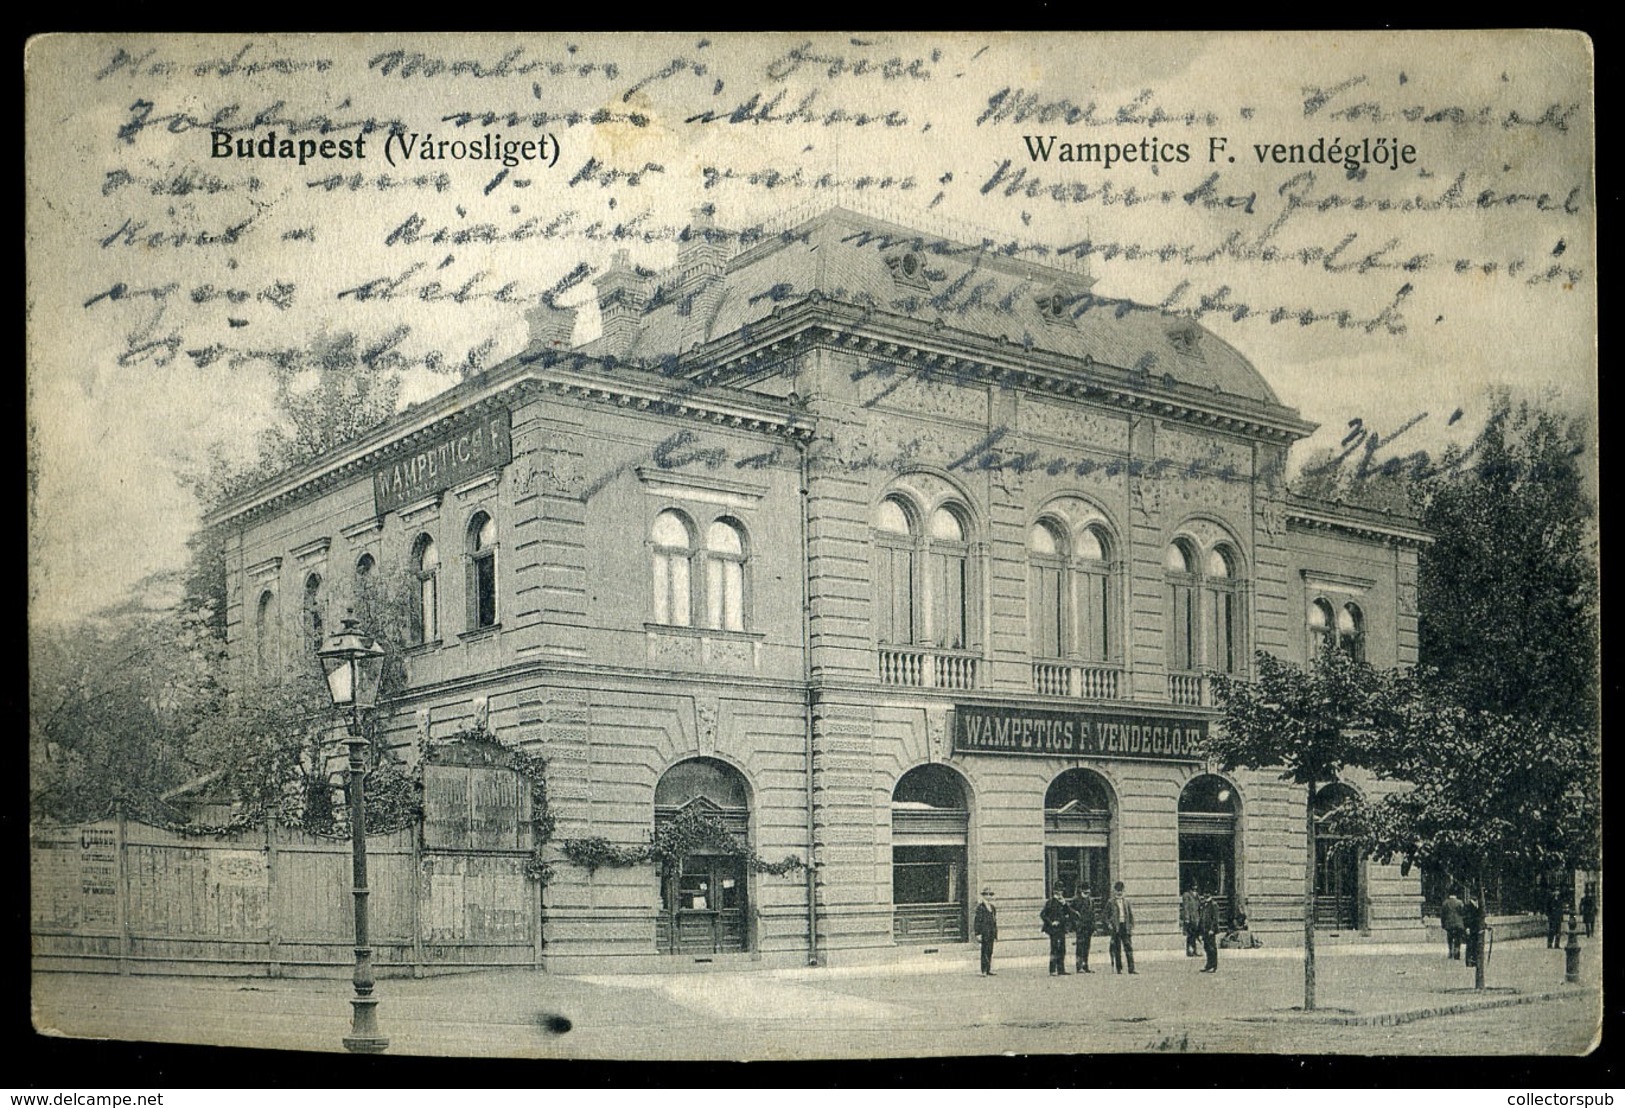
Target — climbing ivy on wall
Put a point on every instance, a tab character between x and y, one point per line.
692	830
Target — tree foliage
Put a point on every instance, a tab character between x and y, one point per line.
1508	589
331	394
1309	723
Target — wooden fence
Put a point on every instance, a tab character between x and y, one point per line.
118	896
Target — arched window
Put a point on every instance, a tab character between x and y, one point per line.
1351	631
1077	834
482	572
672	541
1339	869
1046	555
725	576
364	567
894	548
1209	858
930	825
1095	616
426	601
1223	619
1321	622
264	635
313	611
1179	562
949	580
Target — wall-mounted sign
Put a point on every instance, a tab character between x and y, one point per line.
450	459
979	729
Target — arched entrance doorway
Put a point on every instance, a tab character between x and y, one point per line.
1209	813
1078	834
704	898
1339	871
930	821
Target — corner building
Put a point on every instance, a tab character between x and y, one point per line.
888	551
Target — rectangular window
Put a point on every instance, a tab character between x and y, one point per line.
725	595
1184	629
1048	602
896	603
949	616
483	592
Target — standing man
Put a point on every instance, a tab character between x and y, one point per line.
1588	908
1207	918
1555	907
1120	918
1472	921
986	928
1057	921
1190	908
1083	918
1453	922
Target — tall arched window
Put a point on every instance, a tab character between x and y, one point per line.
1321	622
1224	618
672	541
725	576
1095	617
930	825
265	635
1209	854
1046	555
426	606
313	612
1351	631
1179	562
482	572
1339	868
949	581
1077	834
894	549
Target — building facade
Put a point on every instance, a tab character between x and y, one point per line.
890	552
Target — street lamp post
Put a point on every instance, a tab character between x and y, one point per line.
353	664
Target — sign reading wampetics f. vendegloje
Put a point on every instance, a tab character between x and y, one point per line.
981	729
450	458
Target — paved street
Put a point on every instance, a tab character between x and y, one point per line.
1381	999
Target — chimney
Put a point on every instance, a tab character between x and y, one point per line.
551	327
701	252
622	294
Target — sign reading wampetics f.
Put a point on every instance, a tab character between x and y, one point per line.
445	460
979	729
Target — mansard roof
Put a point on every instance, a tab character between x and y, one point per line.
844	257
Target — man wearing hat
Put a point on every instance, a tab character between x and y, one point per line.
986	928
1208	923
1083	919
1056	919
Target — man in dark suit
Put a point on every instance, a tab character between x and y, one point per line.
1120	920
1207	918
1056	919
1190	910
986	928
1083	920
1472	917
1454	924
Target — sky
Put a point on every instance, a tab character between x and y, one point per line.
1451	254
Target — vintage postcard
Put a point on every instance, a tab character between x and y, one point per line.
781	546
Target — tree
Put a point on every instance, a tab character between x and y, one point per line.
1485	793
1311	724
1514	553
326	396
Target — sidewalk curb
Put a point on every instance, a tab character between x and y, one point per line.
1392	1019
